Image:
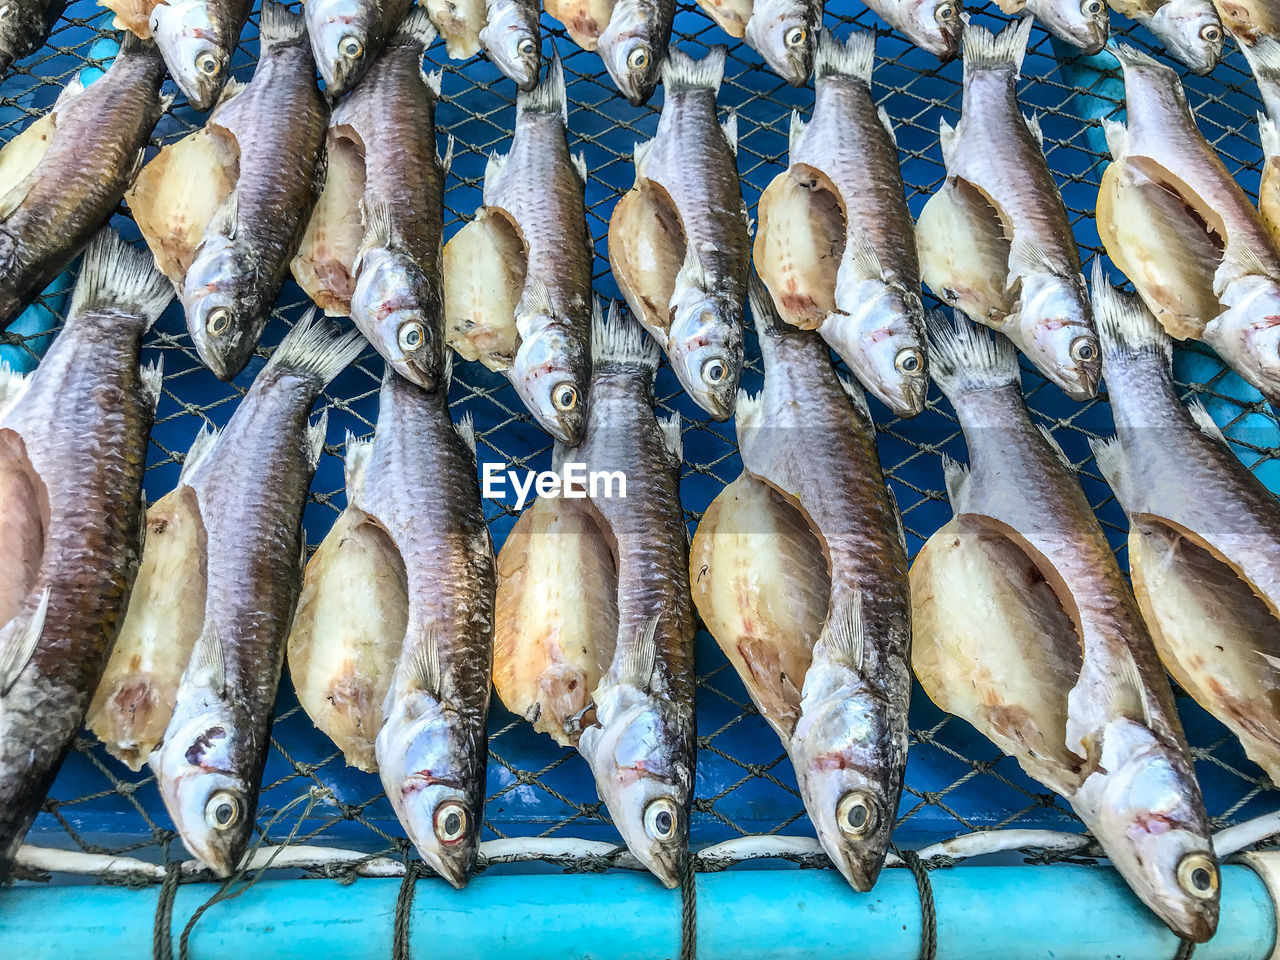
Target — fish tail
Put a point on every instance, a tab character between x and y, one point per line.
1124	323
768	323
681	72
621	342
279	25
984	50
963	357
1269	136
853	58
1133	57
549	95
119	277
416	28
315	349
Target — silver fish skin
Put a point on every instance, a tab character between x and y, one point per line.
197	39
420	484
1135	787
540	188
641	746
26	27
513	39
634	46
1052	323
398	297
74	448
99	136
251	487
783	32
1190	30
348	35
279	121
1264	60
1082	23
933	25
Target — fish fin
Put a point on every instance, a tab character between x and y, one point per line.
845	636
420	669
204	442
1124	323
316	349
548	96
888	125
984	50
208	666
1239	260
1126	685
152	376
377	228
856	395
223	221
17	647
493	168
640	156
955	476
1056	447
278	25
316	433
1269	136
355	466
12	386
446	162
864	263
672	438
115	275
1132	57
852	58
768	323
535	300
232	90
417	28
621	341
1033	124
637	662
1117	137
963	357
797	128
434	79
749	410
1204	420
74	87
580	164
446	374
1109	455
466	431
897	516
947	141
730	130
1264	57
681	72
692	274
1026	258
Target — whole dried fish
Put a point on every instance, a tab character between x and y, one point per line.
197	39
1025	627
459	23
513	39
678	239
634	45
520	273
25	27
250	489
63	177
1189	29
73	446
783	32
1249	20
636	730
224	209
1175	221
584	20
1082	23
348	35
835	244
1204	533
933	25
382	160
995	239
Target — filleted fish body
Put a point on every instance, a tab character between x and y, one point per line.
584	20
73	446
459	23
1249	20
347	36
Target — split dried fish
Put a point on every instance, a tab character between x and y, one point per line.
634	45
348	35
513	39
1081	23
995	239
800	573
1025	627
678	240
1189	29
519	274
73	447
1249	20
197	39
25	28
584	20
250	489
459	23
835	244
1175	221
1204	533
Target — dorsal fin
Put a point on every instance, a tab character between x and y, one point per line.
466	430
316	433
580	164
1117	137
947	141
1110	458
152	376
201	446
730	128
797	129
955	476
883	114
1204	420
355	465
1033	124
669	427
446	162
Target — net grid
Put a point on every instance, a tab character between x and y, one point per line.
541	799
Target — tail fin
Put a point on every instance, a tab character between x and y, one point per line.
278	25
621	342
201	447
768	322
963	357
681	72
1133	57
853	58
984	50
416	29
548	96
316	349
1124	323
119	277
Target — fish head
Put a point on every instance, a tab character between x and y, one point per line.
193	48
391	307
1247	333
212	805
21	24
883	342
552	373
782	31
1191	31
1083	23
434	777
633	49
705	347
636	753
932	25
1149	817
511	38
224	314
339	31
1054	328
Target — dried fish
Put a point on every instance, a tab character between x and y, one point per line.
1082	23
634	45
459	23
25	27
197	39
348	35
513	39
1189	29
584	20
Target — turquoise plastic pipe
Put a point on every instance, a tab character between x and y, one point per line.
1060	912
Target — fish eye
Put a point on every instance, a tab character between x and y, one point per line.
6	11
450	821
795	37
1091	8
909	360
526	47
1211	33
222	811
410	335
218	320
351	46
564	397
945	12
715	371
638	59
1083	349
661	817
856	813
207	63
1198	876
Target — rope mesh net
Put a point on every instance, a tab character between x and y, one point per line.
957	781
